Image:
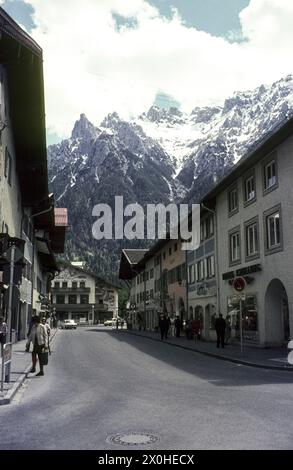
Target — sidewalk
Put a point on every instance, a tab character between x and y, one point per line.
20	367
271	358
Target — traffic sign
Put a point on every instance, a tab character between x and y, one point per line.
239	284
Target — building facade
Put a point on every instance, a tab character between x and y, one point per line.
27	215
255	225
81	295
202	279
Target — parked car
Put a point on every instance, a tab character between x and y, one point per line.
68	325
108	323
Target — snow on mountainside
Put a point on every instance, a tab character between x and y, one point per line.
243	119
161	156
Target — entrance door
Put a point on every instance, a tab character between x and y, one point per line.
277	313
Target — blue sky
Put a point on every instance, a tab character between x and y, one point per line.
217	17
102	56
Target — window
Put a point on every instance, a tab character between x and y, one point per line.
179	273
64	285
270	175
82	284
60	299
84	299
8	166
147	275
249	189
234	247
175	247
74	285
152	273
200	270
72	299
233	200
57	285
273	231
191	274
209	227
210	266
249	317
152	293
252	242
101	302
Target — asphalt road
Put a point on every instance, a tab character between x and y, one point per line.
101	383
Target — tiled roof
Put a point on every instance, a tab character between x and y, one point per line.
61	217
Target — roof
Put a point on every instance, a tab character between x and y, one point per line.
66	264
134	255
129	259
61	217
22	59
11	28
262	148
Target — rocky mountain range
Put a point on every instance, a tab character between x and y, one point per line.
161	156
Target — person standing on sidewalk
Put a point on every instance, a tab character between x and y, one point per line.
3	331
163	326
220	326
48	329
178	326
38	336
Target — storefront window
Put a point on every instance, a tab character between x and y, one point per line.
213	318
249	317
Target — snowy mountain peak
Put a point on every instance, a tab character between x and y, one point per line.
84	129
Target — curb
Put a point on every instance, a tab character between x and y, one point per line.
10	394
217	356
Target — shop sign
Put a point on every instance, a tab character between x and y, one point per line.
239	284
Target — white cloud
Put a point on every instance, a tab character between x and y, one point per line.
92	67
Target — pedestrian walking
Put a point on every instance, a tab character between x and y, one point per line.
163	326
168	325
228	330
188	328
220	326
48	329
172	326
195	328
38	336
3	331
178	326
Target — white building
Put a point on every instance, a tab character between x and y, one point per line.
254	213
78	293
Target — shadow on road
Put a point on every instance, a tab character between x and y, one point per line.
216	371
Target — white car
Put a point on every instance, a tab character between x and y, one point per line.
108	323
68	325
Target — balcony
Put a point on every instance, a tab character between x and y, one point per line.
80	307
71	290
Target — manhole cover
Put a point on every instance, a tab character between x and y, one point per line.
133	439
